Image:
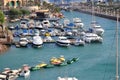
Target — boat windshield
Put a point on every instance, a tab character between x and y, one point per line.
23	22
45	22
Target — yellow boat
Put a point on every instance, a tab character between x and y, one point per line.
57	61
62	58
41	65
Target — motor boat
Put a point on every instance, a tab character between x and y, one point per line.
24	24
36	32
9	74
24	32
67	78
92	37
79	42
46	23
78	22
76	41
23	41
25	72
31	24
96	28
48	39
63	41
37	41
38	25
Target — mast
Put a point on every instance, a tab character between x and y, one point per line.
117	76
93	13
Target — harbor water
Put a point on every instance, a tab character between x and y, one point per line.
96	60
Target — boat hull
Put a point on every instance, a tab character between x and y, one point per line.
63	44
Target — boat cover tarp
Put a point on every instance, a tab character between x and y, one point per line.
25	31
71	25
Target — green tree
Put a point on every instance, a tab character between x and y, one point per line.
25	12
14	13
2	19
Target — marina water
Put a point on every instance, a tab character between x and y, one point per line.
96	60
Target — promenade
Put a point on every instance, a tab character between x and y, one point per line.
106	12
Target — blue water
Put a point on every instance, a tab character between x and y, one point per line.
96	61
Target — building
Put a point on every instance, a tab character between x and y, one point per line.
17	3
11	3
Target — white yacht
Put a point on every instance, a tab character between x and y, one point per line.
78	22
96	28
46	23
92	37
63	41
23	41
37	41
25	72
67	78
23	24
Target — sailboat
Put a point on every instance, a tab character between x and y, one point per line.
95	27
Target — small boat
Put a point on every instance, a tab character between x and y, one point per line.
76	41
75	59
62	58
41	65
23	41
67	78
11	27
48	39
96	28
16	33
49	66
34	68
63	64
63	41
78	22
46	23
55	61
72	60
24	32
23	24
58	61
79	42
25	72
37	41
38	67
92	37
9	74
31	24
38	25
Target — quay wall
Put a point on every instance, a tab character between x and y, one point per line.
108	16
